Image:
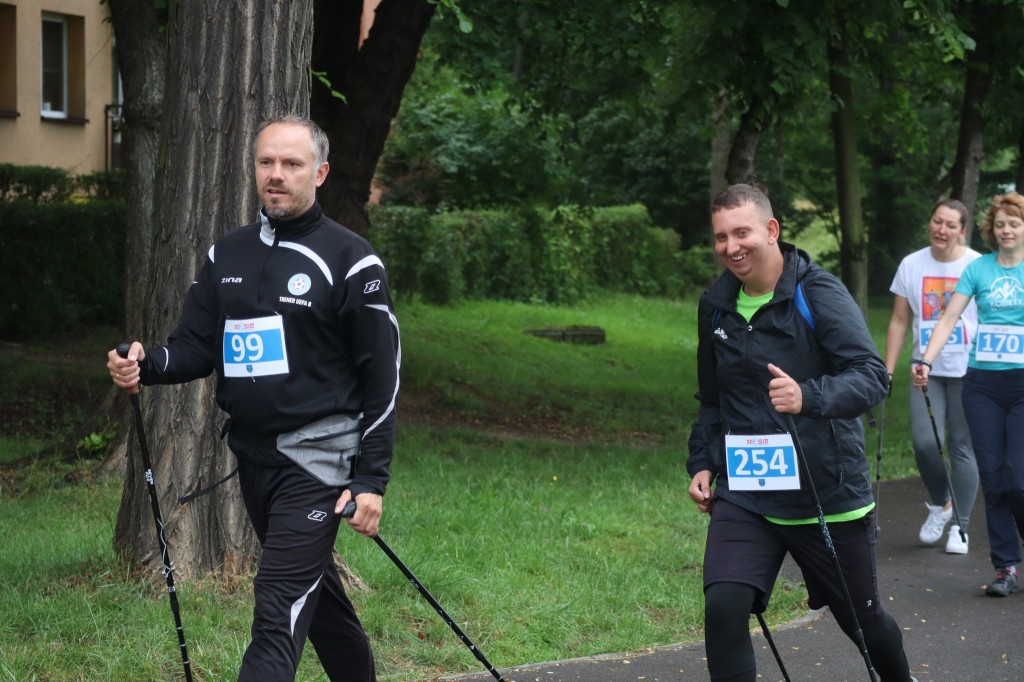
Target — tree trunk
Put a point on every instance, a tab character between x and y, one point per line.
231	63
753	123
970	148
721	144
142	61
1019	179
853	249
372	79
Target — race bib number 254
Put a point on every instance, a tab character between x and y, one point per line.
762	462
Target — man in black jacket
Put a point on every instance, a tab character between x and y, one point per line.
778	334
294	315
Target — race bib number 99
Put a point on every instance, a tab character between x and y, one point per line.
762	462
998	343
255	348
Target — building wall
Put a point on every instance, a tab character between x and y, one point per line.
79	142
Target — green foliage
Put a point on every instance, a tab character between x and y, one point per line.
43	184
95	444
109	184
524	254
60	264
35	183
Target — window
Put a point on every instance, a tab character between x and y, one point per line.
8	61
55	66
63	67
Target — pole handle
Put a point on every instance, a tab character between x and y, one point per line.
349	511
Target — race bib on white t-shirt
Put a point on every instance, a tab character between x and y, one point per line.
956	342
255	347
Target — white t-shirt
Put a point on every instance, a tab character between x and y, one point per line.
928	284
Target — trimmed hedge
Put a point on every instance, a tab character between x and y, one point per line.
523	254
61	264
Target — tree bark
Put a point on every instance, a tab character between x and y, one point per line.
141	51
372	79
231	63
753	124
1019	178
970	147
853	249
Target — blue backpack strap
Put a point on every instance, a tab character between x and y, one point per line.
800	301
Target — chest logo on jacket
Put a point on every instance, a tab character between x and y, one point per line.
299	284
721	334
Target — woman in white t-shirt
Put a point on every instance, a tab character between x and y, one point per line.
922	287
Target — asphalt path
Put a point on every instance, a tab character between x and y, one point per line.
951	630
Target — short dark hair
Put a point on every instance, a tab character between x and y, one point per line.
738	195
321	145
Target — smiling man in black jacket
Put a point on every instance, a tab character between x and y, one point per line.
778	334
294	315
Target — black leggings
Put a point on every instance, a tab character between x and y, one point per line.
727	609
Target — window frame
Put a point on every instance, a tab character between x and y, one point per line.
63	22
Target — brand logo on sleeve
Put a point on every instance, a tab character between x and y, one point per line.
372	287
299	284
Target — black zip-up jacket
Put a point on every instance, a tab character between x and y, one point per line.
328	290
836	365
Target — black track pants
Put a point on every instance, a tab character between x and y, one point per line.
297	589
731	653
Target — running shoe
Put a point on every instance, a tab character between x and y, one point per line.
1006	583
935	523
954	545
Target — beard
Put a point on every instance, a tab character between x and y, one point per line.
278	212
292	205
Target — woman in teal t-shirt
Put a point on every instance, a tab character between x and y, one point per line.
993	394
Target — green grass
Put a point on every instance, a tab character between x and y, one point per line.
540	496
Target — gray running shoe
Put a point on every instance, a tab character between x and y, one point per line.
1006	583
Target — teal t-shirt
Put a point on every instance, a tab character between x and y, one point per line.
999	293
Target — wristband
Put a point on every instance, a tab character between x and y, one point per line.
922	362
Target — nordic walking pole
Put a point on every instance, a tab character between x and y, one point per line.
805	471
942	458
771	643
122	350
346	513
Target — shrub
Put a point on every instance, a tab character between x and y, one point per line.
524	254
60	264
35	183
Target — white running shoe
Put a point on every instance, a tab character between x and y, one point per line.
935	523
954	545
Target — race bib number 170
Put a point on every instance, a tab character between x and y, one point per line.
997	343
255	347
762	462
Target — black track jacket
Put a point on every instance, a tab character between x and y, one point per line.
327	289
836	364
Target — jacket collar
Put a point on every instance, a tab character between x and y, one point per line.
271	228
723	293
